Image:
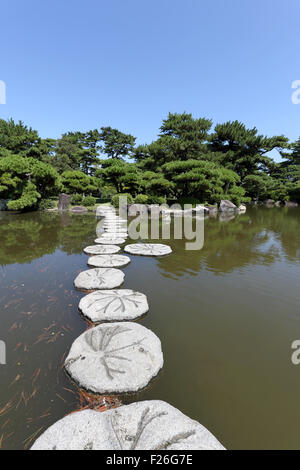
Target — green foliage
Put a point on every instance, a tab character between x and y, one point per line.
76	199
25	181
45	204
77	182
152	199
116	144
115	199
141	199
89	201
16	137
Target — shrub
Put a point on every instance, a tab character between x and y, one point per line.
115	199
141	199
89	201
76	199
156	199
46	204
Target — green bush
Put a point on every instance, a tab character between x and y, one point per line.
156	200
76	199
89	201
141	199
115	199
46	204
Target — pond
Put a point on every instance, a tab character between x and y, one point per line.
226	316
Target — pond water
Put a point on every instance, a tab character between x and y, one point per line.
226	316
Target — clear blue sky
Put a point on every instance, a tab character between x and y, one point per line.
77	65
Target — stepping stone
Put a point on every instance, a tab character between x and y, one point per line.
111	241
148	249
112	235
114	305
145	425
101	250
99	278
115	358
108	261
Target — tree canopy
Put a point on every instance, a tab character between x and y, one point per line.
189	158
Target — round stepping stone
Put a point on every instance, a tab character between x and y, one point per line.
114	305
108	261
101	250
99	278
113	235
145	425
115	358
148	249
111	241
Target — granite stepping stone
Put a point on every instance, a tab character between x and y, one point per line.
114	305
99	278
148	249
111	241
115	358
108	261
101	249
146	425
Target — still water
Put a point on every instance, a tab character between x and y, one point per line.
226	316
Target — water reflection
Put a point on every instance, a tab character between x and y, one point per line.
26	237
259	237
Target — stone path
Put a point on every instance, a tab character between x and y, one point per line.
119	357
148	249
99	278
101	250
115	358
111	241
114	305
108	261
147	425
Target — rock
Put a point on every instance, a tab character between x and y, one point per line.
108	261
291	204
226	205
116	234
114	305
79	210
99	278
101	250
242	208
269	202
212	209
146	425
277	204
200	208
115	358
111	241
63	202
148	249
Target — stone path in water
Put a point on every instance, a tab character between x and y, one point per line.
119	357
115	358
99	278
113	305
148	249
105	261
147	425
101	249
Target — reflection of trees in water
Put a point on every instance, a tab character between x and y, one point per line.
259	237
25	237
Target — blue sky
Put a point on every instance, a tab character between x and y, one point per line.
77	65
